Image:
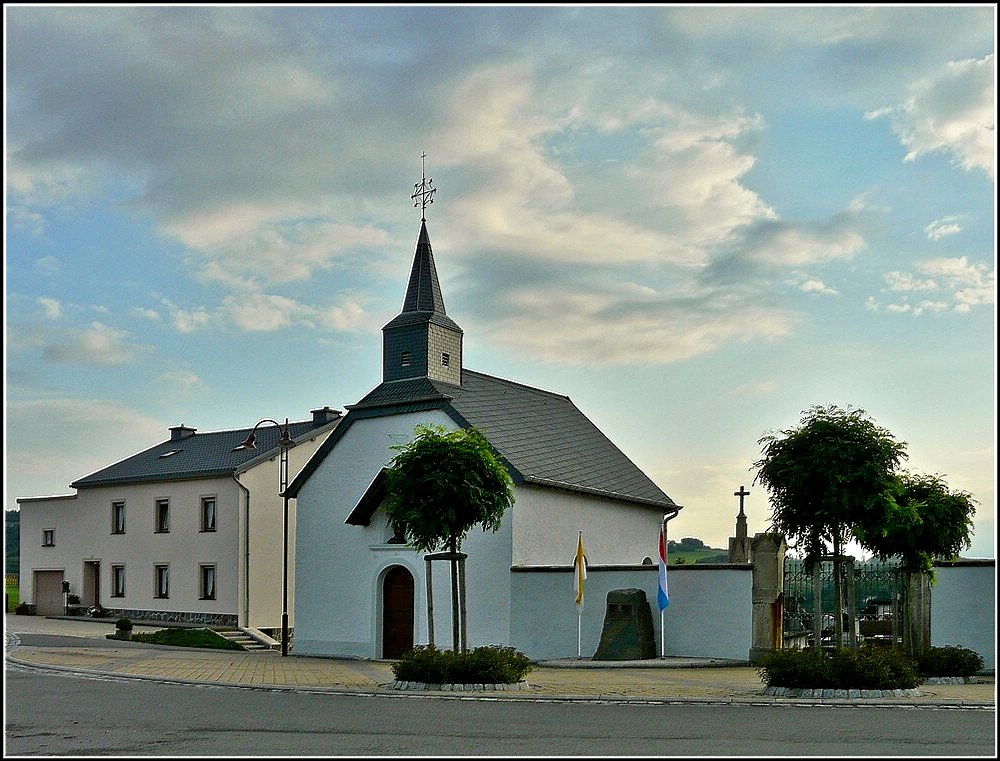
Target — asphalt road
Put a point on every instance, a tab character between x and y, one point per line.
56	714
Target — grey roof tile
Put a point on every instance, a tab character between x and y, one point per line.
543	436
200	455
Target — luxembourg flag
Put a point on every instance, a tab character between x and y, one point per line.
661	594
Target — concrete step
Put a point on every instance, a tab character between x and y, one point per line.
245	640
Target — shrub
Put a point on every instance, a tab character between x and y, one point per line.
23	609
124	623
867	668
875	668
950	660
491	664
796	668
72	599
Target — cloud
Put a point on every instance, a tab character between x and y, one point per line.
52	307
97	345
945	226
817	286
905	281
962	286
48	266
601	327
952	111
91	433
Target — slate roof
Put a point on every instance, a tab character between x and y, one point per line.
198	455
423	301
542	436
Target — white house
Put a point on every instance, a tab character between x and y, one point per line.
362	594
188	530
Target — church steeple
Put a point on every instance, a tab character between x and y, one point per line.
422	340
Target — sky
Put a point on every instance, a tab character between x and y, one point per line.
697	222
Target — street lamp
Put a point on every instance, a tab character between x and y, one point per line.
284	444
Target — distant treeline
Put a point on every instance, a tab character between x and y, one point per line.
12	540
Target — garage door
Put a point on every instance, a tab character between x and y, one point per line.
48	593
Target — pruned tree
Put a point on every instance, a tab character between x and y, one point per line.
936	522
442	484
830	478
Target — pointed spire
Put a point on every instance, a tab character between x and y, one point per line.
423	292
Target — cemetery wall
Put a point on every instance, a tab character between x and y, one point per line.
964	607
709	615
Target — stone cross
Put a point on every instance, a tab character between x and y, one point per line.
741	494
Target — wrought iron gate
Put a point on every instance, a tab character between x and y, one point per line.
876	598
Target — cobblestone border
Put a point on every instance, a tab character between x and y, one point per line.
397	685
808	692
951	680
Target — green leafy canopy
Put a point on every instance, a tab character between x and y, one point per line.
831	475
834	478
937	524
443	483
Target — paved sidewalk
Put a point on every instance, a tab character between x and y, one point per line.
82	647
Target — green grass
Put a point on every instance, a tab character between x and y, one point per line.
693	556
13	598
187	638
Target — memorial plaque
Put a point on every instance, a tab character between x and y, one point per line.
618	611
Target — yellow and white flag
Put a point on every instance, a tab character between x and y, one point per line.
579	574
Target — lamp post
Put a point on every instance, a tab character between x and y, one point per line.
284	444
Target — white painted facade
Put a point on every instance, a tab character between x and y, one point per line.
85	549
245	549
339	609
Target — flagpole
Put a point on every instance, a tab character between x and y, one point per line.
662	651
579	635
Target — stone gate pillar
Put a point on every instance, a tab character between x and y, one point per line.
768	558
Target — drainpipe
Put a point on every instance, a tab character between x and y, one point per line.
246	554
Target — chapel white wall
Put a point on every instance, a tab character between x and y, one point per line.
547	522
338	611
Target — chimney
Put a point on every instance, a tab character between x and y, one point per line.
324	415
181	431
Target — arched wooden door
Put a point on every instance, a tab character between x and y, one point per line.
397	612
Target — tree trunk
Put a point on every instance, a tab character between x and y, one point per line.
454	598
818	603
838	595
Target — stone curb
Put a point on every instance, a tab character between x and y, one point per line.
824	694
397	685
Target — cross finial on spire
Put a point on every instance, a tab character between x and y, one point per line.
423	193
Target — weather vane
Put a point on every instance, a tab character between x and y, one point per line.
423	192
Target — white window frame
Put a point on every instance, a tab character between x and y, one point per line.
207	581
118	580
118	516
161	581
161	516
206	511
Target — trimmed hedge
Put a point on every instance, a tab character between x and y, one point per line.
491	664
950	660
866	668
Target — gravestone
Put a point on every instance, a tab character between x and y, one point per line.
628	628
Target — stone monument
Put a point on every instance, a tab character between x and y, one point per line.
628	628
739	545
